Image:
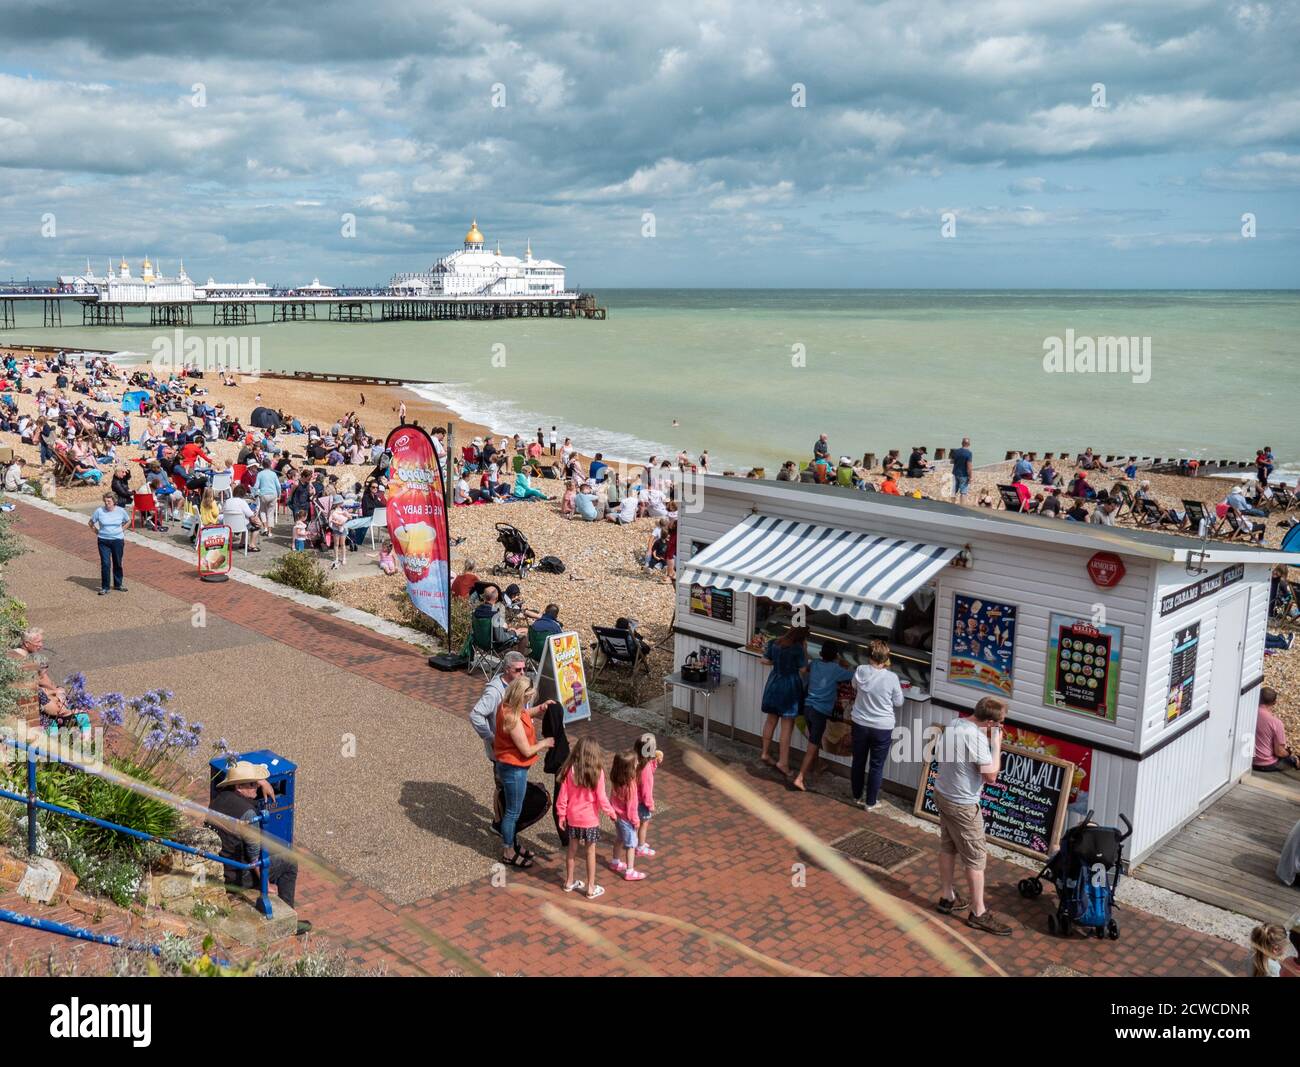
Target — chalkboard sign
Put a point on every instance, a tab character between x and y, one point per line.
1024	810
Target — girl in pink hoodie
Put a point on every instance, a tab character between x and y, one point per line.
648	758
622	777
581	800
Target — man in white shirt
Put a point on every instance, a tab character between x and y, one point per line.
969	754
626	511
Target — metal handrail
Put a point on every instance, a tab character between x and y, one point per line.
33	805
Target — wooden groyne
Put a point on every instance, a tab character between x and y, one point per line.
1190	466
344	379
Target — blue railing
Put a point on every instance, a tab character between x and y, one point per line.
33	756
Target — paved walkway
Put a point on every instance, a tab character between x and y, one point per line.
403	822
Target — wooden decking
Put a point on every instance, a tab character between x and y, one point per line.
1227	856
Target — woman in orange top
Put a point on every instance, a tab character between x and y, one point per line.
516	748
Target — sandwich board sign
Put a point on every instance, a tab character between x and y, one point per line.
215	543
560	677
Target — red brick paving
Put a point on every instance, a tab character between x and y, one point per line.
717	867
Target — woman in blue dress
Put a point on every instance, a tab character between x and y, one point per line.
783	693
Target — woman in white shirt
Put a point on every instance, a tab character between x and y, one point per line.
873	719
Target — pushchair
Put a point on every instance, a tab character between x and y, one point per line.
518	554
1085	872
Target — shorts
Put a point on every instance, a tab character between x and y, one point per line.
817	721
588	834
643	813
961	832
626	833
299	545
960	483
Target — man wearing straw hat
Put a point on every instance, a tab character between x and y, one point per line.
237	799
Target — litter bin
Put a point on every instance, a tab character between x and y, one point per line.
280	773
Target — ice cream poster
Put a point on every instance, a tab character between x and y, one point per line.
1083	666
417	521
214	550
562	677
983	646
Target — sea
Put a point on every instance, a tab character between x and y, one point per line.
753	376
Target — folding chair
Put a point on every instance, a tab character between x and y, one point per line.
481	650
221	484
1197	520
1237	527
536	649
619	648
1010	498
1124	494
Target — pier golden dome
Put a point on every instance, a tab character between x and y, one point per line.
474	237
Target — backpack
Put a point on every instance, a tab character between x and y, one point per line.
550	565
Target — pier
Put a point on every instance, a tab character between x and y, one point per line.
291	306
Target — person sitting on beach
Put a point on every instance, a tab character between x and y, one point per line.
1090	462
463	584
1077	512
1080	489
1104	514
1051	505
1022	468
524	490
917	465
548	622
890	485
1022	492
1237	499
821	447
121	485
1272	752
627	510
585	504
596	472
568	500
822	470
789	472
1047	474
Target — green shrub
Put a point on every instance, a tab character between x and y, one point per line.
302	571
418	620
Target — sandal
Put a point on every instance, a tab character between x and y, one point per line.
634	876
577	883
595	891
518	860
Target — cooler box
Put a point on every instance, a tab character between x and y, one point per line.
280	773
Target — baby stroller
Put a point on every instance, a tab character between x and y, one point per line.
518	553
1085	872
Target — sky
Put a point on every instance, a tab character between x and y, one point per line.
967	144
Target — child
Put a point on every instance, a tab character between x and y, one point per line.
338	519
581	800
625	798
568	501
1268	944
648	758
300	531
387	562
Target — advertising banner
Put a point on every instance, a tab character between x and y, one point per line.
214	552
417	522
983	646
561	677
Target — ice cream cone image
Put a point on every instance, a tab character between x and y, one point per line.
416	543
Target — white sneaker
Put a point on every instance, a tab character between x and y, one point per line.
872	807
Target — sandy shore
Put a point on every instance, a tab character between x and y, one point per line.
603	578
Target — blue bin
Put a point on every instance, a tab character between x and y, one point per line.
280	773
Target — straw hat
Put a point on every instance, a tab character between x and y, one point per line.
244	772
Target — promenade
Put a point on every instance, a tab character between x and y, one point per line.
394	795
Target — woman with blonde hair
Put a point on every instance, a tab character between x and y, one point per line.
515	748
879	695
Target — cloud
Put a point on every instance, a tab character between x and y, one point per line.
1262	170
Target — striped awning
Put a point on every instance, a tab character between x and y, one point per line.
862	575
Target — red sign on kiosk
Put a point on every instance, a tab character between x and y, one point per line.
1105	569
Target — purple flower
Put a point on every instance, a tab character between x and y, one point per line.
222	745
153	739
178	720
196	728
111	715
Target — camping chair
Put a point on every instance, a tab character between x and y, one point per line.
844	477
536	649
1198	521
480	648
144	504
517	463
469	458
619	648
1010	498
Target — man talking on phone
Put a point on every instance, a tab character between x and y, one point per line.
969	754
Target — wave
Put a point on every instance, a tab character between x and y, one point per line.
507	416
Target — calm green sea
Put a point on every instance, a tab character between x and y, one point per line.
755	375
